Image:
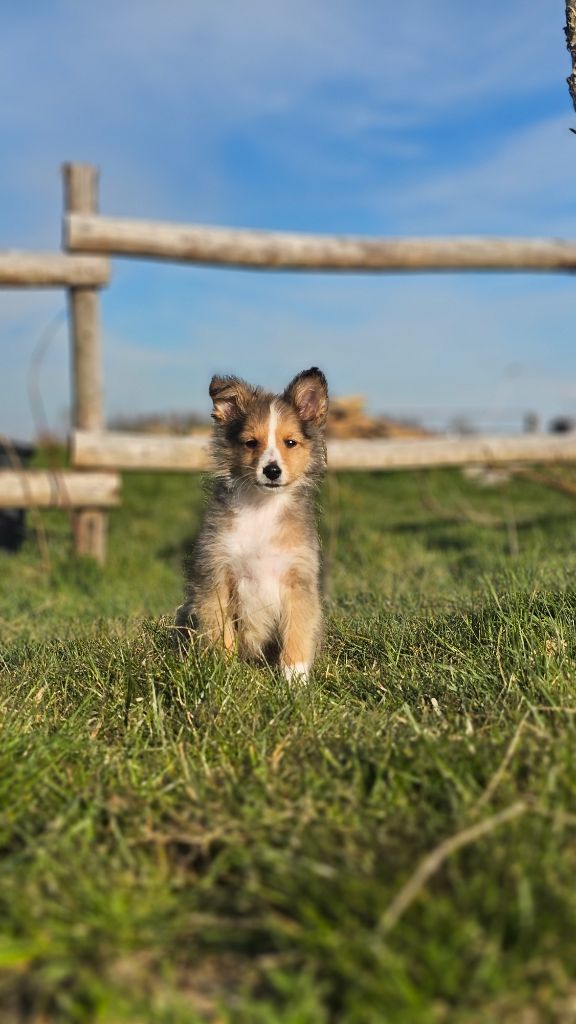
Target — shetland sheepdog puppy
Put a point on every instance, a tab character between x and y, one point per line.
254	582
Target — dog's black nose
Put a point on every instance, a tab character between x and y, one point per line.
272	471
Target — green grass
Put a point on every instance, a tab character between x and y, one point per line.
198	841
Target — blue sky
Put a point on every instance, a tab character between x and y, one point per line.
359	116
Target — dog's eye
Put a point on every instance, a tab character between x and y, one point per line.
290	443
251	443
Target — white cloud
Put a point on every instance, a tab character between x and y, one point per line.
263	53
410	343
150	90
153	92
522	187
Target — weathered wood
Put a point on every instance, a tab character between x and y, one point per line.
80	197
80	187
457	451
39	488
87	401
141	451
138	451
491	451
80	184
90	534
51	270
283	251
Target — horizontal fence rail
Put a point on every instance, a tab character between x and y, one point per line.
39	488
450	451
141	451
51	270
120	450
266	250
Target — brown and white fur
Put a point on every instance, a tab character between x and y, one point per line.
254	584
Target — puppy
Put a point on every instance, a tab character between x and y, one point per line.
254	583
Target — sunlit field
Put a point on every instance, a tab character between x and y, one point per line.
201	841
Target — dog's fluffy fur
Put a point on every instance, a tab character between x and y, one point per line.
254	582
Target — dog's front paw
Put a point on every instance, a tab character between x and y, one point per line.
297	673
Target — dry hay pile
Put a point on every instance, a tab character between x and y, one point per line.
348	418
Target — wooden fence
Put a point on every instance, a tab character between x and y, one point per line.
113	451
97	454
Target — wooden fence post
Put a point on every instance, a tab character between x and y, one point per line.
81	196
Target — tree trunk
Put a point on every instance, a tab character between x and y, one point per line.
570	31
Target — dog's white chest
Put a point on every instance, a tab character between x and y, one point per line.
256	559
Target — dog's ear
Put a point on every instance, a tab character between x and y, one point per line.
308	393
230	396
